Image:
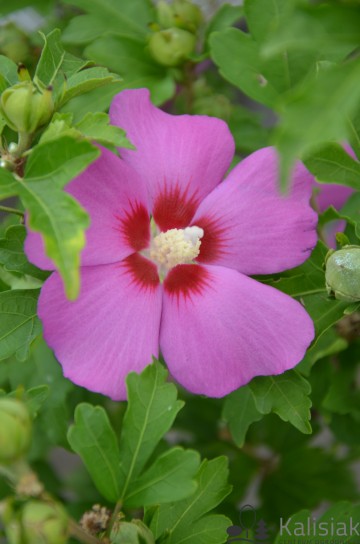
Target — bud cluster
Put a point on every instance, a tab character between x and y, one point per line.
25	108
15	430
35	522
176	39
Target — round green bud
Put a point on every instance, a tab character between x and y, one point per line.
15	430
11	521
171	47
342	273
44	523
14	43
217	105
24	108
188	15
165	14
134	532
181	13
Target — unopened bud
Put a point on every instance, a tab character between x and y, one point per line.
24	108
217	105
171	47
181	13
134	532
343	273
44	522
11	521
15	430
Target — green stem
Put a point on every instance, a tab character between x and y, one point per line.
82	536
114	515
8	474
24	141
11	210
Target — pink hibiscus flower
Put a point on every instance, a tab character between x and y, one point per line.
168	255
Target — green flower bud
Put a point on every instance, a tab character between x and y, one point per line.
171	47
10	518
181	13
343	273
134	532
165	15
15	430
217	105
24	108
14	43
44	523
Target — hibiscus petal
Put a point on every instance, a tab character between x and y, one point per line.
222	329
116	199
182	158
110	330
250	226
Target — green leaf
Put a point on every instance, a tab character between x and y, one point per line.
331	29
85	81
225	16
207	530
12	255
84	29
129	58
96	100
95	126
308	476
121	17
62	222
152	408
61	125
35	398
332	164
50	60
328	344
52	421
184	521
351	212
19	324
287	395
307	279
8	70
170	478
263	18
59	161
52	212
240	412
354	132
311	115
8	184
246	68
343	396
93	438
325	311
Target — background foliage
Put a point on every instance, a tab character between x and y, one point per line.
280	72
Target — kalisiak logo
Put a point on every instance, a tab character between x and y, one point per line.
311	527
249	530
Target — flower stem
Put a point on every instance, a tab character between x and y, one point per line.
11	210
114	516
82	536
24	141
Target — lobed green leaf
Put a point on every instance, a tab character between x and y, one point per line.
152	408
287	395
93	438
184	521
19	324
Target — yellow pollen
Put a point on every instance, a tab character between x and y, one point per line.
176	246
